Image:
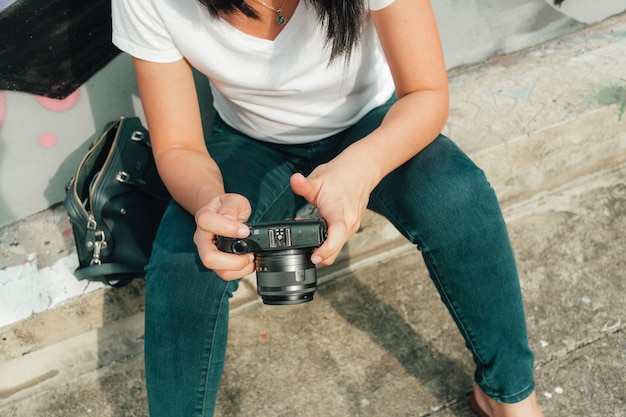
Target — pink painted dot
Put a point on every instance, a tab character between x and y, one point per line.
47	140
264	336
2	107
67	232
57	105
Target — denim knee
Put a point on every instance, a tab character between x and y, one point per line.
437	196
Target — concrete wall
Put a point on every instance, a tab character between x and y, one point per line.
42	140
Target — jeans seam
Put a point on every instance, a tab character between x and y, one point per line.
468	335
394	220
262	213
211	346
530	387
434	276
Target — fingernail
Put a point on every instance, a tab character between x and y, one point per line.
243	231
316	259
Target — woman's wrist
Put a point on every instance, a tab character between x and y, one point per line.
206	194
360	160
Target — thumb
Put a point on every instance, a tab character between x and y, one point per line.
304	187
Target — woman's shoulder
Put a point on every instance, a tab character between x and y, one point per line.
140	28
379	4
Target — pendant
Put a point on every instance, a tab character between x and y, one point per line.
280	19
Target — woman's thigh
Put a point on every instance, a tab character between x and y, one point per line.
257	170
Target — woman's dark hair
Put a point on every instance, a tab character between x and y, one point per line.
342	19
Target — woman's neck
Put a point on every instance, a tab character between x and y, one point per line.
273	17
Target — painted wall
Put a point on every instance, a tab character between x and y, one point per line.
42	139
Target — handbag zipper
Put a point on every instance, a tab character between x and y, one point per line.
98	238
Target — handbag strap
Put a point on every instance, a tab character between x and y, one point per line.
116	275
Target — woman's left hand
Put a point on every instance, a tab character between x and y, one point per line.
340	191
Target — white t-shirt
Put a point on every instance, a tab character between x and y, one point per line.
281	91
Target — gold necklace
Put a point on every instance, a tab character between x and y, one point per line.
280	19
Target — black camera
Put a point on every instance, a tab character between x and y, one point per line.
284	271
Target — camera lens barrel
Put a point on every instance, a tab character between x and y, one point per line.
286	277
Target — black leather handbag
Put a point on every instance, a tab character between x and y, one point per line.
115	202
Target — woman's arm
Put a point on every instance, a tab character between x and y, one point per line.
169	100
410	40
340	189
170	103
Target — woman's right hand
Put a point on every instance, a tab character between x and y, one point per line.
224	215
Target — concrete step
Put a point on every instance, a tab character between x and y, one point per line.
377	340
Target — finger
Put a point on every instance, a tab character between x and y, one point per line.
213	223
232	275
337	236
304	187
217	260
235	206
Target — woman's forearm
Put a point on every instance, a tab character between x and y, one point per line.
170	103
410	125
191	176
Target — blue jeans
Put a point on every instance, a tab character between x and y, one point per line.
439	200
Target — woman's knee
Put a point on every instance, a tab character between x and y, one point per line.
454	178
440	176
439	192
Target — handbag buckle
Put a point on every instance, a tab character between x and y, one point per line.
98	241
98	245
137	136
125	178
91	223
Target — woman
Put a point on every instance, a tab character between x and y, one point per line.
336	103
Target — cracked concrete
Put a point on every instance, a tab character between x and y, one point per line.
377	341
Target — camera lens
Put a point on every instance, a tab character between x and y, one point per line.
286	277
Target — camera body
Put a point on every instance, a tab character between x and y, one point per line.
275	236
285	273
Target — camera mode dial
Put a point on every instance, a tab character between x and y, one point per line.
240	246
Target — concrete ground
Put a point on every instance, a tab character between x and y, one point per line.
547	126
